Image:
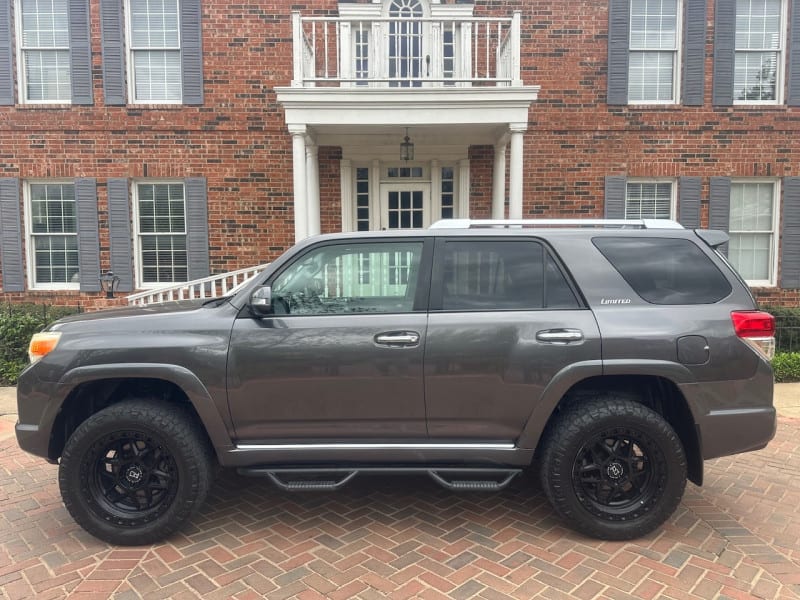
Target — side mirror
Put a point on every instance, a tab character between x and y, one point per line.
261	301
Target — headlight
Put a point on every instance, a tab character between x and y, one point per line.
42	344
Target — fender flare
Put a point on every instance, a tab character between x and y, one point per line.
575	373
182	377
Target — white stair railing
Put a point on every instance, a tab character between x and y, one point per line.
214	286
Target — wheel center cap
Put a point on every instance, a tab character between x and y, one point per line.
134	474
614	470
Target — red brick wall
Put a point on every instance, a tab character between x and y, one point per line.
238	139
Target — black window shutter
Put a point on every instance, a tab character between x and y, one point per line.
694	53
88	237
11	236
790	234
689	202
616	189
724	52
619	12
80	52
794	56
197	227
113	40
119	228
191	52
719	206
6	55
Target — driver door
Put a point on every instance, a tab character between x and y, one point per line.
341	357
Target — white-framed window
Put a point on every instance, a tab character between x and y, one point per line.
759	51
160	225
154	51
43	51
753	230
652	199
653	59
52	235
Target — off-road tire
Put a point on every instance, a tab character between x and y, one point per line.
612	468
134	473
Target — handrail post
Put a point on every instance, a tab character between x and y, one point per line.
516	31
297	49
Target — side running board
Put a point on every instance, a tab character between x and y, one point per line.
323	479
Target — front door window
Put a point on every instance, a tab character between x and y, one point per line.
405	205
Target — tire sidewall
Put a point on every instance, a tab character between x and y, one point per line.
663	447
76	471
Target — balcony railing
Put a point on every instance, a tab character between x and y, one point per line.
214	286
406	52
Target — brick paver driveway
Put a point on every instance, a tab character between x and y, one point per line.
737	537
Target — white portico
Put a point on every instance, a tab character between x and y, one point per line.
383	71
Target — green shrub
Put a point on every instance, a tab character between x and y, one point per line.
786	366
787	327
18	322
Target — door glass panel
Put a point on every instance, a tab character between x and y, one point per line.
405	43
342	279
406	209
493	275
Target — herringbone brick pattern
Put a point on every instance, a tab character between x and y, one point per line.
737	537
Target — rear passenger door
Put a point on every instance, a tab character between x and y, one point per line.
503	321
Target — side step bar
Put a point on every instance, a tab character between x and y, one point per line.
323	479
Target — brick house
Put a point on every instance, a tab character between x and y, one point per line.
168	140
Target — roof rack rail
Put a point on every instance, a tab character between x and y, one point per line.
534	223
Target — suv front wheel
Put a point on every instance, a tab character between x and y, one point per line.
613	468
134	472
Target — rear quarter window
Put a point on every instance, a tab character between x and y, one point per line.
665	270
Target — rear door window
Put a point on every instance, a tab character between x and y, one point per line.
484	275
665	270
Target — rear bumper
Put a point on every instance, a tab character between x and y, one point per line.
727	432
733	416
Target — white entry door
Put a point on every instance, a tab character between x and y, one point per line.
405	205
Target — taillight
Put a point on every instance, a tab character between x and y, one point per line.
757	328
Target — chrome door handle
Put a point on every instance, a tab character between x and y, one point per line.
560	336
397	338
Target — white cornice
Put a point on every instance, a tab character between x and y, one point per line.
418	106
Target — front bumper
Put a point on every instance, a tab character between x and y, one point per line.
37	407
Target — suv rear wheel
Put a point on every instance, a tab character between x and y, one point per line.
135	472
613	468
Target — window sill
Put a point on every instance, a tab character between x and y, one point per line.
47	106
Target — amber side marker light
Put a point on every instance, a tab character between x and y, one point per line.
42	344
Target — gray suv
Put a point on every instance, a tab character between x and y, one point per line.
614	356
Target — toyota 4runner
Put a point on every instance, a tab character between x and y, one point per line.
617	355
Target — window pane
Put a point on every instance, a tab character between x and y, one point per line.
758	24
157	75
650	76
358	278
755	76
654	24
751	229
55	259
154	24
52	208
490	275
45	24
648	201
47	75
164	258
751	206
161	208
664	270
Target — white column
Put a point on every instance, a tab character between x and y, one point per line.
436	192
515	172
463	189
312	187
346	185
299	172
499	180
